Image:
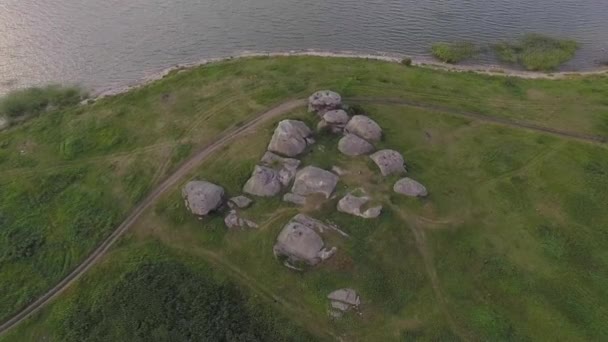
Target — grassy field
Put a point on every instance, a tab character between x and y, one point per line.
514	226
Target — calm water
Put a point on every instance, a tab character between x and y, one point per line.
110	43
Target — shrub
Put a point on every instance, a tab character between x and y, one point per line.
33	101
407	61
454	52
537	52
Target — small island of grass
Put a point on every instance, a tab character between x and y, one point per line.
454	52
537	52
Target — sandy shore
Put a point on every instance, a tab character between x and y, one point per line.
427	62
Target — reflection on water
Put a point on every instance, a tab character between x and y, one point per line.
115	42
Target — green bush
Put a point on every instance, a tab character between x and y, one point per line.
537	52
454	52
36	100
406	61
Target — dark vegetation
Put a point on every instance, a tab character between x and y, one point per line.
537	52
454	52
30	102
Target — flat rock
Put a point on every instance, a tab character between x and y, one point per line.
364	127
312	180
352	204
409	187
336	117
264	182
290	138
323	101
352	145
202	197
298	243
240	202
347	296
286	167
295	199
390	162
233	220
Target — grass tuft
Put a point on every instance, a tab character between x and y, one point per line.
454	52
537	52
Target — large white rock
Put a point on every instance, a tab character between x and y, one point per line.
313	180
324	100
352	145
202	197
364	127
290	138
409	187
390	162
263	182
299	243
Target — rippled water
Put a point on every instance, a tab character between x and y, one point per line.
103	44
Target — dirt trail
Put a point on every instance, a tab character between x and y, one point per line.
166	185
483	117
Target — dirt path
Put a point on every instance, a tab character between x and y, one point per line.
483	117
166	185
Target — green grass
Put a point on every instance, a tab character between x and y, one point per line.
454	52
523	209
537	52
34	101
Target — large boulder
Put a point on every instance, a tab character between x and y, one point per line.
313	180
299	243
353	205
263	182
286	167
352	145
364	127
323	101
290	138
202	197
334	121
409	187
390	162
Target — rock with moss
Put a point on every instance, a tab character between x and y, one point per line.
364	127
233	220
389	162
202	197
352	145
323	101
290	138
313	180
354	203
409	187
264	182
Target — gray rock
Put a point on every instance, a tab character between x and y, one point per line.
390	162
286	167
352	145
352	204
364	127
346	296
202	197
264	182
336	117
232	220
295	199
323	101
409	187
338	170
240	202
4	123
311	180
299	243
310	222
290	138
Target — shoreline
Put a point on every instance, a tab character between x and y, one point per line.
418	61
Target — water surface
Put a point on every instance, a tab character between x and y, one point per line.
111	43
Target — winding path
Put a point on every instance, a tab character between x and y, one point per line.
166	185
222	140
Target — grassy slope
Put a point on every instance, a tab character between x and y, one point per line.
129	134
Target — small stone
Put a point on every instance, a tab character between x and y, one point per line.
240	202
364	127
338	170
295	199
352	145
352	204
345	295
409	187
232	220
390	162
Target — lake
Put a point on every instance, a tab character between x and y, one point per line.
112	43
